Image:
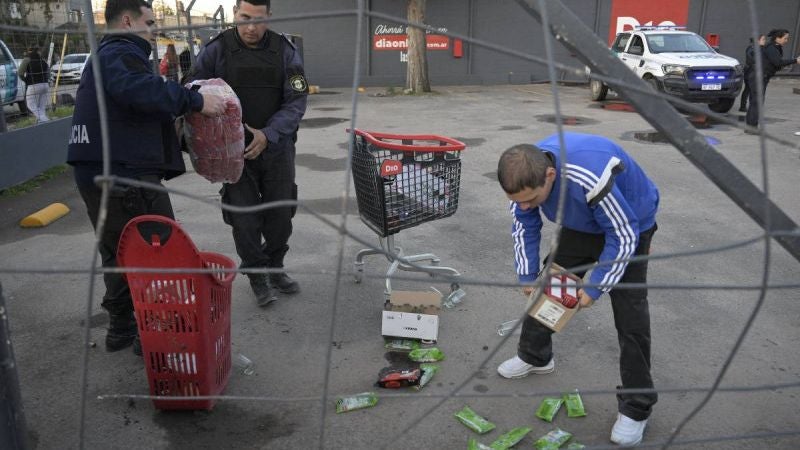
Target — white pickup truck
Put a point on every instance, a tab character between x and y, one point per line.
680	63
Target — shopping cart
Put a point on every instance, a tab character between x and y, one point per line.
184	318
402	181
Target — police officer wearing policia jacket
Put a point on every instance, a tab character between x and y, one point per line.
141	110
266	72
609	216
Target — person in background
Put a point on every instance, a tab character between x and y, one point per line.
141	111
609	217
749	66
185	61
266	71
772	61
169	64
35	73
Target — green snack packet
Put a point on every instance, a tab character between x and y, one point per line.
473	444
575	446
358	401
574	404
548	408
432	354
401	344
473	421
553	440
510	439
428	370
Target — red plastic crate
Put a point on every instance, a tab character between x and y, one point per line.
184	318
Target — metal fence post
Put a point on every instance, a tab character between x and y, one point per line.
3	128
12	419
190	35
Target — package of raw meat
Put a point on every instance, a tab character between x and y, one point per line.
216	144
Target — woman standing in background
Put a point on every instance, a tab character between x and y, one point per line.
37	92
169	64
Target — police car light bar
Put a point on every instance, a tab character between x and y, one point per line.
659	27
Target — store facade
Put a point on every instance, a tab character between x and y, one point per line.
330	43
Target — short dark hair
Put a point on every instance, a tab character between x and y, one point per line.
256	3
777	33
115	8
522	166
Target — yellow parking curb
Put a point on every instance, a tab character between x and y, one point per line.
45	216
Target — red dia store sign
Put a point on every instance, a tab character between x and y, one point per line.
627	14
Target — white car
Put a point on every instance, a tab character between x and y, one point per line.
680	63
12	89
71	68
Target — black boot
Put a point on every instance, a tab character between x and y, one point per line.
284	283
121	331
260	284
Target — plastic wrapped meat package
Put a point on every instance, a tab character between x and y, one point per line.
216	144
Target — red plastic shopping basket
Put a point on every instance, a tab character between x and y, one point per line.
404	180
184	318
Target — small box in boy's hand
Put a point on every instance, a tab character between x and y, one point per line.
559	301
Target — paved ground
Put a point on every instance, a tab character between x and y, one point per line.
693	329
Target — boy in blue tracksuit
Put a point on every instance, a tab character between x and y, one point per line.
608	217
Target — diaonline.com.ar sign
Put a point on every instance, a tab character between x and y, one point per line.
628	14
400	42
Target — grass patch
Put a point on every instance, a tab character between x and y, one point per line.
33	183
29	121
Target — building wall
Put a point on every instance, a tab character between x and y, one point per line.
59	11
329	43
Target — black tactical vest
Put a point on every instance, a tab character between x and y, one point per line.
256	75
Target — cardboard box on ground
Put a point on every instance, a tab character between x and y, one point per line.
412	314
557	294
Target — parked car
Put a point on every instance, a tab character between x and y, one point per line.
12	89
71	68
680	63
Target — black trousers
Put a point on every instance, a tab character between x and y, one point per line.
743	102
752	110
124	204
261	238
631	318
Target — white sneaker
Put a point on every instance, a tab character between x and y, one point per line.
627	432
517	368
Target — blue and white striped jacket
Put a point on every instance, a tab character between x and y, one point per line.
607	193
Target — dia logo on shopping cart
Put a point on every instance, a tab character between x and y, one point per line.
391	167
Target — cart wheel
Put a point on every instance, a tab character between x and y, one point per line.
358	274
434	263
456	296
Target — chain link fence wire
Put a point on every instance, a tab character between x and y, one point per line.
557	22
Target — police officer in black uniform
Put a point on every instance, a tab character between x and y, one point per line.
772	61
266	72
141	110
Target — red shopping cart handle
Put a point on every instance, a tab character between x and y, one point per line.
446	144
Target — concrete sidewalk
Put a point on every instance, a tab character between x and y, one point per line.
694	327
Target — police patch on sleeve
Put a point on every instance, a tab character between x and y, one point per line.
298	83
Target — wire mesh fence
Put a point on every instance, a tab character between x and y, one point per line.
756	202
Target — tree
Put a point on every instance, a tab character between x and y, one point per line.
417	70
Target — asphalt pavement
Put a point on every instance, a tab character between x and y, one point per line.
697	301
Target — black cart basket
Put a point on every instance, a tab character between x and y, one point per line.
404	180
